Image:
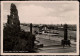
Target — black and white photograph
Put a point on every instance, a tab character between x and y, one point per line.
40	27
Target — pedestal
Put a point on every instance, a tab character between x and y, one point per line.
65	42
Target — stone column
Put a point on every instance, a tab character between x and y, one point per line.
65	41
65	32
31	28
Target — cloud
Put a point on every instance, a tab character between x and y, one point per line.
45	13
33	11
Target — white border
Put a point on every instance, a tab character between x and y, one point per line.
77	53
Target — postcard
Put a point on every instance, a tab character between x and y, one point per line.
39	27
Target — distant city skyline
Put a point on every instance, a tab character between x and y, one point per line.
44	12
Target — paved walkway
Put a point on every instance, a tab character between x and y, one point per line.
53	45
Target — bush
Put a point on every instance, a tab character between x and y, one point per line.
17	41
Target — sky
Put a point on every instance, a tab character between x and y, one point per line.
44	12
